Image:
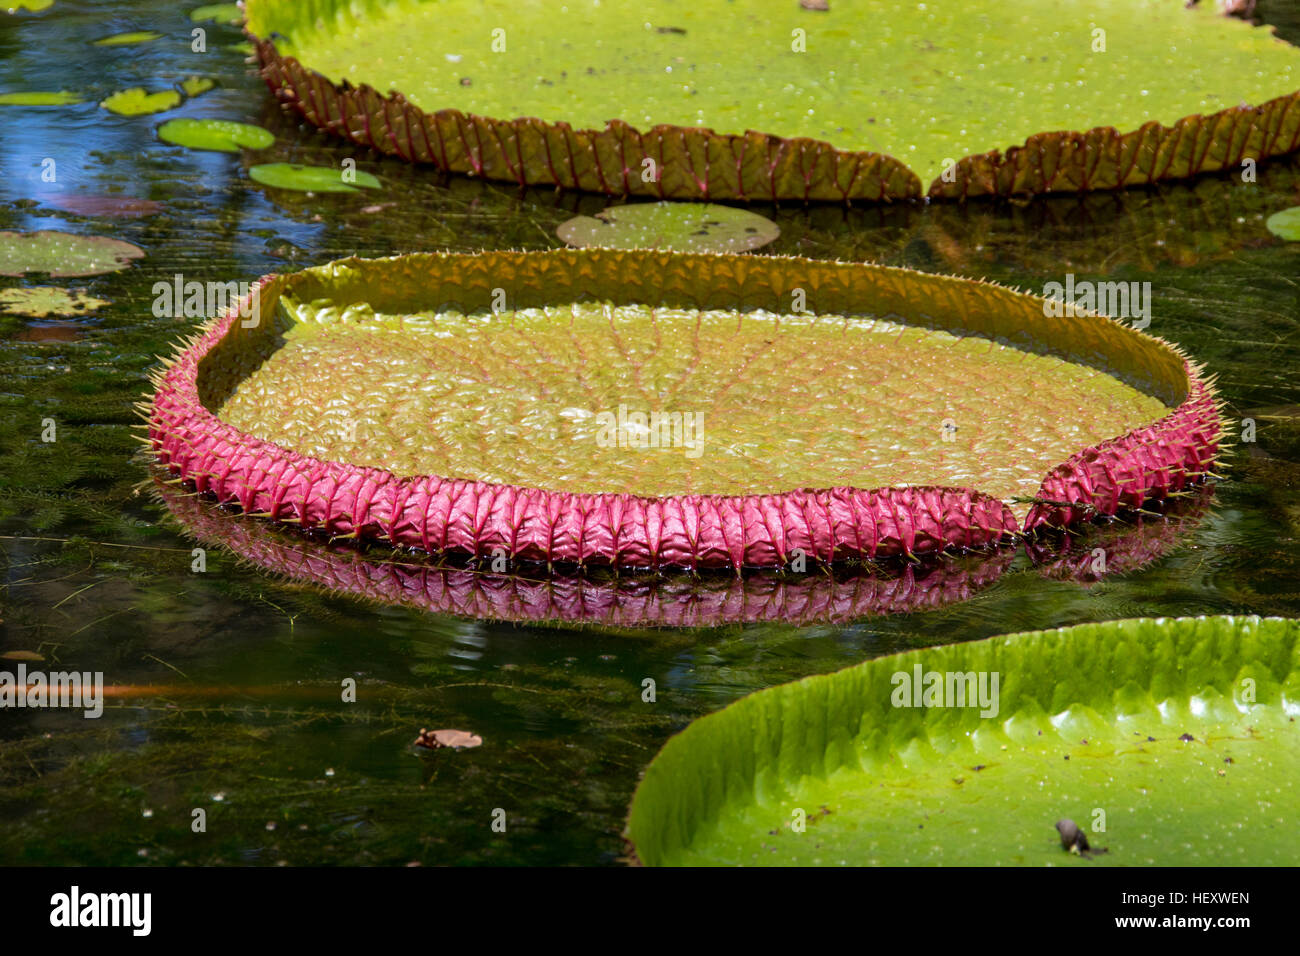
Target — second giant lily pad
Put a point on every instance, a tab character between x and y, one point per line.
654	409
765	100
1169	742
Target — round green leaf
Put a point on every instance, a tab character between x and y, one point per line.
220	12
138	101
317	179
38	302
63	253
1285	223
678	227
224	135
126	39
1180	732
60	98
35	6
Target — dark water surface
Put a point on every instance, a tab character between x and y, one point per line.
242	716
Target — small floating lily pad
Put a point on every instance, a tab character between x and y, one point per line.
39	302
196	85
33	6
224	135
116	207
126	39
1181	730
678	227
63	253
220	12
1285	224
316	179
45	98
138	101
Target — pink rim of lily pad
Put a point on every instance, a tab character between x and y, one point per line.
438	514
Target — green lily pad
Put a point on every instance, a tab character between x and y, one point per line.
224	135
38	302
678	227
127	39
1285	223
867	99
48	98
1176	736
34	6
137	101
196	85
220	12
316	179
63	253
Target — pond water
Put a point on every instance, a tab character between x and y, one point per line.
227	680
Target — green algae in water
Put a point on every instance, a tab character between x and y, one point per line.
139	102
38	302
129	39
924	83
40	98
765	402
220	12
197	85
223	135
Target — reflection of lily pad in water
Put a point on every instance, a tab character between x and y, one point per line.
1285	224
676	227
1181	729
124	207
196	85
127	39
220	12
35	98
38	302
316	179
224	135
138	101
63	253
871	100
920	435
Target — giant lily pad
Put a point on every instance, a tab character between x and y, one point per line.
869	100
651	409
224	135
677	227
1178	736
63	253
138	101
